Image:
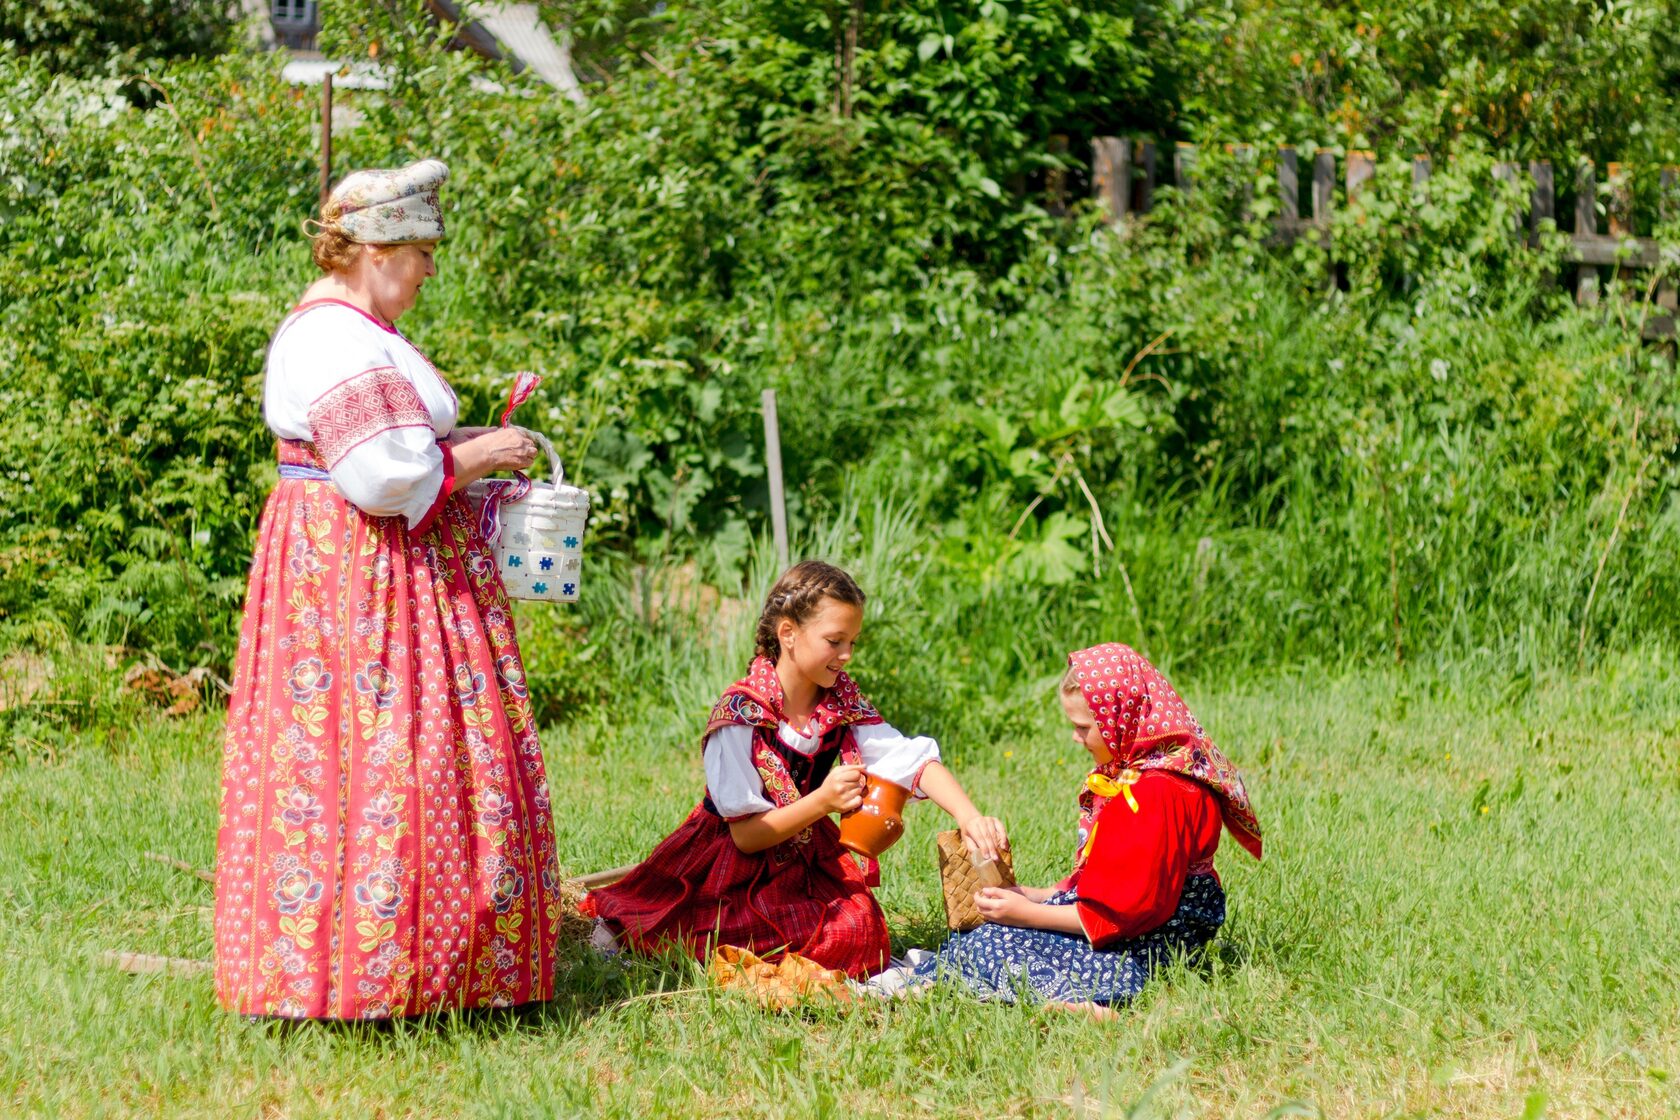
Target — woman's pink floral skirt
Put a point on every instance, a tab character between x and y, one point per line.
385	845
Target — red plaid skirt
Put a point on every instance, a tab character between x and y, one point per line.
698	890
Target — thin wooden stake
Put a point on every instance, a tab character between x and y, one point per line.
144	963
180	865
773	463
326	138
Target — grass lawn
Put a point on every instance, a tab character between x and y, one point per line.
1468	909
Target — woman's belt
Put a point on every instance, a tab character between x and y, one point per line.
298	470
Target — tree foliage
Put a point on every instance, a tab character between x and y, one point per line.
1180	434
79	35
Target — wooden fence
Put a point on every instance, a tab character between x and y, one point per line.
1126	171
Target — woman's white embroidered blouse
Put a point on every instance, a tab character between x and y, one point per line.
371	403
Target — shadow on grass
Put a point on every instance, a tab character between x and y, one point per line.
586	986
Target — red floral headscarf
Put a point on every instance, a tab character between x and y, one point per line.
1147	727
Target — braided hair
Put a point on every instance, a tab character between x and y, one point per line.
798	595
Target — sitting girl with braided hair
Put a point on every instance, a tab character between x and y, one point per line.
758	863
1143	884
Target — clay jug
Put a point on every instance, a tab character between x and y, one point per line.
876	825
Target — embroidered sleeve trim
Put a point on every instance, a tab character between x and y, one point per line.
444	491
359	408
916	789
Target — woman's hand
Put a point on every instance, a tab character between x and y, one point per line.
984	836
462	435
499	449
1006	906
842	790
506	449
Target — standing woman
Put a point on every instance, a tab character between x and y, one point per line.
385	843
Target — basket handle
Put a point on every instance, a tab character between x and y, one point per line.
556	472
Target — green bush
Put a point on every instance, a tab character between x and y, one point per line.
1179	435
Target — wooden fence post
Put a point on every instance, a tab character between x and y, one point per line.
1668	209
1243	154
1361	169
773	467
1323	188
1543	201
1421	170
1323	202
1503	173
1289	193
1184	167
1586	228
1111	176
1055	179
1146	189
326	139
1620	211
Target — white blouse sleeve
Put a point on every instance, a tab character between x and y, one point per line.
364	416
731	778
397	471
889	753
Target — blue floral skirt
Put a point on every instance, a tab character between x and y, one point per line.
996	961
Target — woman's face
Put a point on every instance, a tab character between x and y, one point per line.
394	274
821	645
1085	731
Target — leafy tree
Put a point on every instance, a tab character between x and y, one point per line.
85	35
1526	78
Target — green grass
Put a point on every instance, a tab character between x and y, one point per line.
1467	910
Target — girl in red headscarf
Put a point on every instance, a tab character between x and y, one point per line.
1143	883
758	862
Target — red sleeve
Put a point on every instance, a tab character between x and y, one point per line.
444	491
1135	874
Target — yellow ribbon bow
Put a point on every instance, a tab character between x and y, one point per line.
1104	786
